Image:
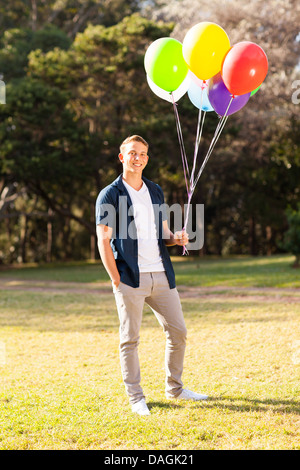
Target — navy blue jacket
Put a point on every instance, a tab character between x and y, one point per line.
124	241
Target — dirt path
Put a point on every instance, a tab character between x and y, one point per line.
256	293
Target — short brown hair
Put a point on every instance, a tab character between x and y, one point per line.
133	138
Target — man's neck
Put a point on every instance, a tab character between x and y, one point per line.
135	181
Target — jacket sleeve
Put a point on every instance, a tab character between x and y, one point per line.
105	210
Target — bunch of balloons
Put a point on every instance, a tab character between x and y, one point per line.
206	58
216	76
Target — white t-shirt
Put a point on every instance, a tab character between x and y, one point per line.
149	258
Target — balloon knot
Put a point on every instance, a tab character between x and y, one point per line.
233	96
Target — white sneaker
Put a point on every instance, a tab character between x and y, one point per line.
188	395
140	408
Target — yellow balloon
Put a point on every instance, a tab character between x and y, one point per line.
204	48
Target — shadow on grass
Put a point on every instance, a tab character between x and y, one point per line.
164	405
243	404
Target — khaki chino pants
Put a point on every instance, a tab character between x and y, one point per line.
165	302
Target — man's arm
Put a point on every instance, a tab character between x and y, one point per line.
178	238
104	234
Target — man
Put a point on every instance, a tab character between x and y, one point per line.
132	239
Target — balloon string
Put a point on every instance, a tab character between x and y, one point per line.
194	182
200	135
181	144
201	119
183	157
196	148
204	115
218	132
212	144
220	126
190	194
197	139
214	140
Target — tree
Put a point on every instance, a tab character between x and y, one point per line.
103	71
71	16
16	44
64	121
41	146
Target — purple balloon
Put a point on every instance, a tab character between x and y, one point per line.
219	97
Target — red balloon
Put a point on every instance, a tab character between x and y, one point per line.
244	67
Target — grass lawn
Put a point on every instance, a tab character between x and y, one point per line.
61	386
273	271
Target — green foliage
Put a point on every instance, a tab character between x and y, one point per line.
104	74
50	37
71	16
38	135
16	14
16	44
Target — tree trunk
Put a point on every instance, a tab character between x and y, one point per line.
66	232
23	237
269	239
49	236
33	15
297	262
252	237
92	237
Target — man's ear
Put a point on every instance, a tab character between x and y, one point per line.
121	158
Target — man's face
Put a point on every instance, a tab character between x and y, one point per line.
134	157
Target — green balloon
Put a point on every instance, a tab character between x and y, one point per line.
164	63
255	91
